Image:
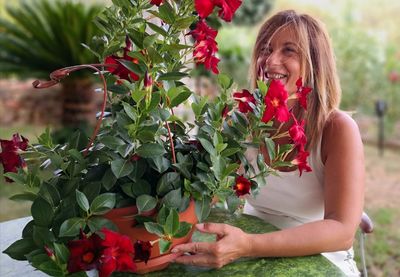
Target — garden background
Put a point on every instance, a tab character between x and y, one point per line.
367	45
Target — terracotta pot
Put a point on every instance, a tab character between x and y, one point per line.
124	220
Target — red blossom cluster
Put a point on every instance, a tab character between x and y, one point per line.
227	8
113	253
9	157
275	104
205	47
120	70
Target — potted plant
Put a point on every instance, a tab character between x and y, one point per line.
118	200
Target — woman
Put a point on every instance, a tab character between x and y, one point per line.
320	211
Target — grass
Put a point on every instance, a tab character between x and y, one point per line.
382	205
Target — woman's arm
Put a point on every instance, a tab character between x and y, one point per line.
342	153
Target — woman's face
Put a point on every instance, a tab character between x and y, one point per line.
281	60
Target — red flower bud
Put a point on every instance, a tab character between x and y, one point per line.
142	250
242	186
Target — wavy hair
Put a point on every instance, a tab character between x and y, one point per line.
318	66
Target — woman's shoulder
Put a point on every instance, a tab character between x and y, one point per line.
340	132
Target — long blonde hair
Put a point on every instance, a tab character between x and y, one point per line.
318	66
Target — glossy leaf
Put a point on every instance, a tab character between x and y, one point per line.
71	227
121	167
103	203
145	203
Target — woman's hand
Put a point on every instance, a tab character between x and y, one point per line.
232	243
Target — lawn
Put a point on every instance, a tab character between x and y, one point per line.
382	203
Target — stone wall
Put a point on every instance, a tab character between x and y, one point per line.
21	104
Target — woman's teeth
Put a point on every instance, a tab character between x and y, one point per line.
275	76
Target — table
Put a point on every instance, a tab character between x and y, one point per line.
316	265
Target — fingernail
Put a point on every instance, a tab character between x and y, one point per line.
174	250
200	226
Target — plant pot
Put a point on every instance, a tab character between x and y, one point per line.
123	219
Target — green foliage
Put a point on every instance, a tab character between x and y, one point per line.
44	35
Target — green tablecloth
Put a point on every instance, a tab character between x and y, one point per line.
316	265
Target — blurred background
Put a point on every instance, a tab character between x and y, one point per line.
37	37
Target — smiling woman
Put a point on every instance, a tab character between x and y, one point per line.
318	211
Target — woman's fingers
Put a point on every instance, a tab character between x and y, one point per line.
220	229
196	260
194	247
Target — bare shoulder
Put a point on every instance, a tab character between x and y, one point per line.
340	132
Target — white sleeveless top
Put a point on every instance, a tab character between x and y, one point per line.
289	200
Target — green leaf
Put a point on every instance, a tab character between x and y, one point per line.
157	29
121	167
161	164
42	236
173	199
130	111
207	146
172	76
203	208
42	212
145	203
225	81
229	169
62	252
164	245
184	229
111	142
45	139
154	228
135	68
168	182
26	196
180	98
262	87
162	215
184	22
20	248
138	95
271	148
82	200
149	150
229	152
232	202
96	223
17	178
172	223
71	227
51	268
149	40
103	203
167	13
109	179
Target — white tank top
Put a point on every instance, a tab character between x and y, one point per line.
289	200
295	200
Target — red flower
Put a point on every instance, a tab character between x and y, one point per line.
142	250
203	31
394	77
121	71
156	2
302	93
117	254
244	98
205	46
135	158
9	157
228	7
242	186
204	7
276	103
301	161
297	134
84	253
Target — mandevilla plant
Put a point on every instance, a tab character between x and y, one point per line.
141	153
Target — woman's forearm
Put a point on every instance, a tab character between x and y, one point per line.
308	239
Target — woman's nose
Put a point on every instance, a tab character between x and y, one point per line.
274	58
